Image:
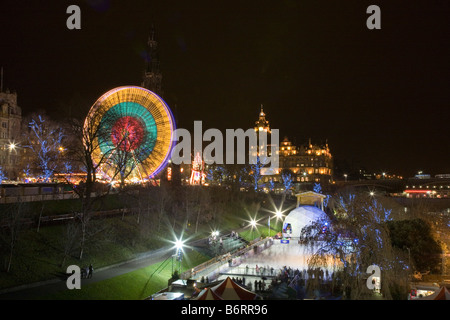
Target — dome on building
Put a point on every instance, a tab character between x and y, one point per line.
300	217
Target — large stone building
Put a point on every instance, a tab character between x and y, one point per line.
10	122
308	163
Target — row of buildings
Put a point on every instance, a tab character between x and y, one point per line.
306	163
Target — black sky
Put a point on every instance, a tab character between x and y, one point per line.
380	97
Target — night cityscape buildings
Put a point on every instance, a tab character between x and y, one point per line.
342	96
10	120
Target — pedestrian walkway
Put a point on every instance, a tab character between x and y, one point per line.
37	291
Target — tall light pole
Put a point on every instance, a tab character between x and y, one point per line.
12	146
278	215
253	225
179	244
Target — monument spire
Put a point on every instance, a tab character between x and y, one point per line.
262	123
152	79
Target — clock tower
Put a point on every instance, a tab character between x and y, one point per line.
152	79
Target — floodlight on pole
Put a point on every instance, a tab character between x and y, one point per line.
12	146
178	245
278	214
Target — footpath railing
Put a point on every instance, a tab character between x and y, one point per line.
230	259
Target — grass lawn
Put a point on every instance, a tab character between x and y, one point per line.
38	255
135	285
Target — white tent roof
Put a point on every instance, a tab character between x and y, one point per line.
301	217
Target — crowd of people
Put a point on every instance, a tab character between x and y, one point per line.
256	285
292	277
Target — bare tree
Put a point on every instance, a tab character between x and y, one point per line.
101	153
203	206
358	237
163	201
69	240
287	179
44	138
13	223
82	150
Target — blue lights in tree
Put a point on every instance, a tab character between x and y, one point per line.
317	188
45	141
256	172
2	174
286	177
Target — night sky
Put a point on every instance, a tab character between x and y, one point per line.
380	97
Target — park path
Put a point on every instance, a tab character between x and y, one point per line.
37	291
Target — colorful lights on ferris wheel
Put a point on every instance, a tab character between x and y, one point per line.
133	131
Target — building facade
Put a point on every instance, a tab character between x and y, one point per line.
10	123
307	164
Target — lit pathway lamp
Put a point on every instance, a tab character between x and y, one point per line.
12	146
253	225
214	236
179	244
278	215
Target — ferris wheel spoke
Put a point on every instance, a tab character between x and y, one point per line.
132	129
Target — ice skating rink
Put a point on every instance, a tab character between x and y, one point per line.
279	255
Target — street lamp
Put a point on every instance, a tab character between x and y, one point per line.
278	214
178	245
253	225
12	146
214	235
345	176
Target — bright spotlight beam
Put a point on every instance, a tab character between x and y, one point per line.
278	214
178	244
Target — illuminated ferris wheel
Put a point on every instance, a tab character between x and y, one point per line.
130	130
